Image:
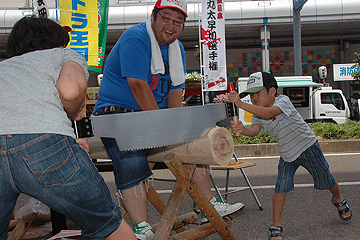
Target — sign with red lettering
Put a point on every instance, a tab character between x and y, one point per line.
213	44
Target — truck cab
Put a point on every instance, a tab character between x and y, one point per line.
330	104
314	101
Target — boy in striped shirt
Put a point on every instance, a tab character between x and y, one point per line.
298	145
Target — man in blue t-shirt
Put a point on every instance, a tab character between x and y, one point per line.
145	70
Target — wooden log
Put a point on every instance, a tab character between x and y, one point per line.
216	148
198	196
198	232
22	226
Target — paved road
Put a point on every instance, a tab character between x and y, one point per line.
308	213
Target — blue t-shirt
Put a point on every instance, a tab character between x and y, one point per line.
131	57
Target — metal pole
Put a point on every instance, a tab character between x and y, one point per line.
265	36
201	55
297	43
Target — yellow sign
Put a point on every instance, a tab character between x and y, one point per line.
248	117
82	17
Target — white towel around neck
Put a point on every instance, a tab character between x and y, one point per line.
177	74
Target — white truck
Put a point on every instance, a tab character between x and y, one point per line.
315	102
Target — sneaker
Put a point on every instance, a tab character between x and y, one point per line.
222	208
143	231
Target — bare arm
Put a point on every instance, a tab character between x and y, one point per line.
247	131
174	99
263	112
142	94
72	87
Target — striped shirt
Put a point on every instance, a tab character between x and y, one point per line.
289	129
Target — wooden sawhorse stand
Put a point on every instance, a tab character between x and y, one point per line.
185	183
216	147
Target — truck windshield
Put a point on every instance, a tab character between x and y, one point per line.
334	99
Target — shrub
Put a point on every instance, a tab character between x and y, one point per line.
324	131
348	130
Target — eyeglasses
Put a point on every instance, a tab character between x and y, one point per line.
169	20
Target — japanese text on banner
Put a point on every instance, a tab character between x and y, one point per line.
40	8
213	40
82	17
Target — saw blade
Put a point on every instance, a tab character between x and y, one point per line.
158	128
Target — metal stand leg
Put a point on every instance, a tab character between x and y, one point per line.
227	183
248	183
252	190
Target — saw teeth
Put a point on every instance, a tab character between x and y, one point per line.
179	143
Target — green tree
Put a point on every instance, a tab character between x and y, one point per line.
356	74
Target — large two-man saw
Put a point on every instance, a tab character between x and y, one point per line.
158	128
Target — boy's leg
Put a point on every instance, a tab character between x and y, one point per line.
316	164
278	206
284	184
335	191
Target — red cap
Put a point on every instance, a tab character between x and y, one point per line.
178	4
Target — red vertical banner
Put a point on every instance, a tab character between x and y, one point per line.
213	44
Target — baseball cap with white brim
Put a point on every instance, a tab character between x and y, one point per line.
178	4
257	82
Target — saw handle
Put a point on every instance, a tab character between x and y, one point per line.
235	118
230	86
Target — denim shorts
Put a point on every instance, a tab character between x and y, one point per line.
313	160
130	167
54	169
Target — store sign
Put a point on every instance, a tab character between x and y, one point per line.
342	72
213	44
82	17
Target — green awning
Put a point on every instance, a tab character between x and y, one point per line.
297	83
